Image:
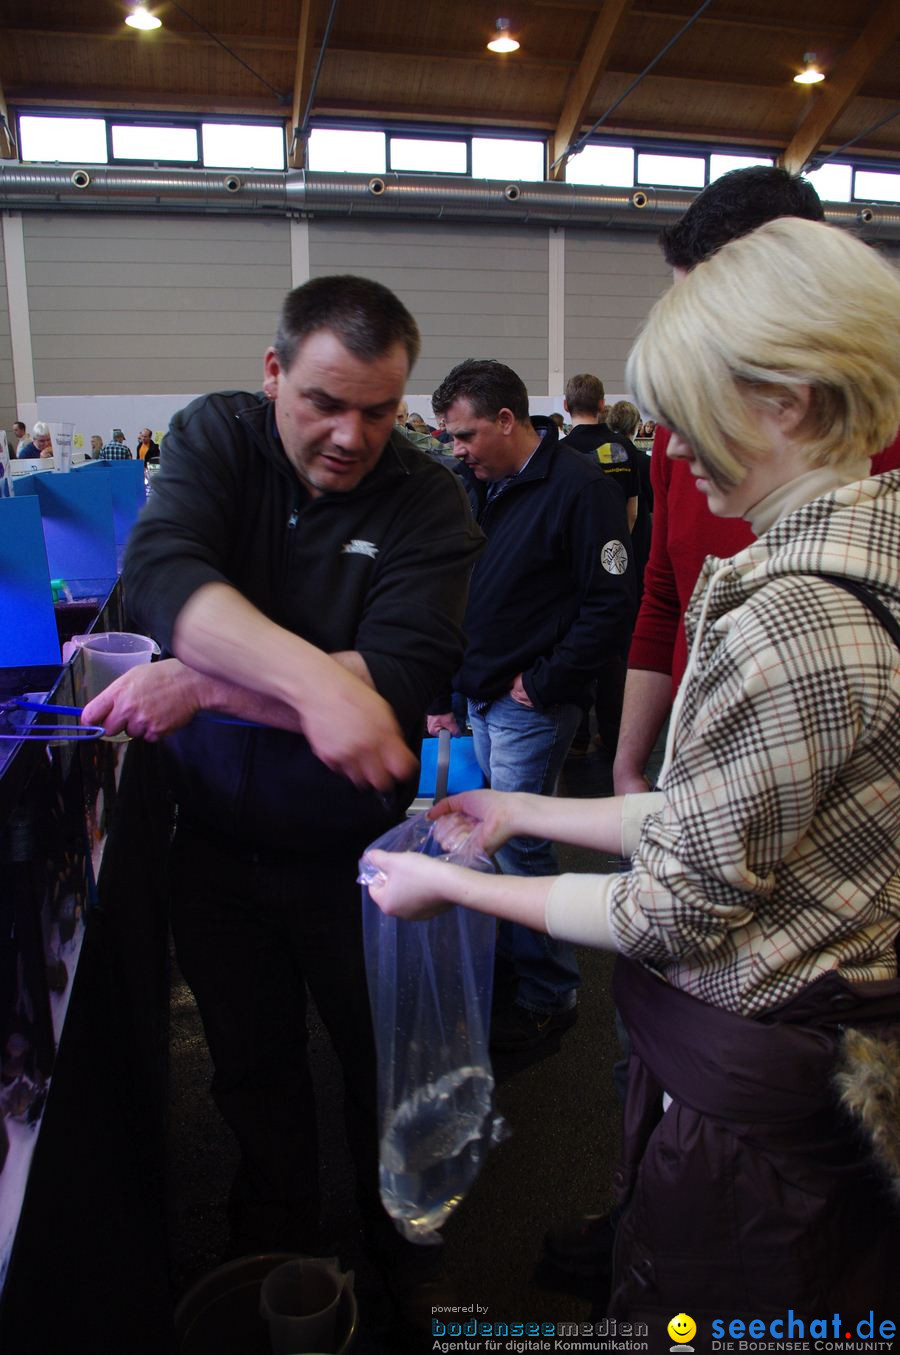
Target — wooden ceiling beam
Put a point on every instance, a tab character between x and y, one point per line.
827	104
584	82
303	78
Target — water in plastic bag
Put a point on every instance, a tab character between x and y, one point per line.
430	994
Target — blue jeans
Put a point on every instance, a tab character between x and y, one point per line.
522	749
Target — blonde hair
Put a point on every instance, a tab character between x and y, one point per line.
624	417
792	304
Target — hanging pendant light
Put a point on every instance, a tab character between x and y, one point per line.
142	18
503	42
810	75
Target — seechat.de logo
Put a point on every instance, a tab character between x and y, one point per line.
682	1330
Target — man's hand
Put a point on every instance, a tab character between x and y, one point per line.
354	731
518	693
148	702
435	723
410	885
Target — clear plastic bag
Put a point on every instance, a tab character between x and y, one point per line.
430	993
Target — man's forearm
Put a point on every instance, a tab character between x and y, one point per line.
648	697
221	634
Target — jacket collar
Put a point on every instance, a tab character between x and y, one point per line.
396	462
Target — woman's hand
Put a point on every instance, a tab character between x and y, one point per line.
410	885
497	813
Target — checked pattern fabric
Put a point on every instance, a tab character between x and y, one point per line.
776	856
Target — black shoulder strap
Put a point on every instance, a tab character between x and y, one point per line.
868	599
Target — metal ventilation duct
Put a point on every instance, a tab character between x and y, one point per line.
412	196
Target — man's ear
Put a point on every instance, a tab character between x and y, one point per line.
271	373
506	419
566	406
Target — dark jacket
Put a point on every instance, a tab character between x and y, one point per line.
381	569
614	453
553	595
755	1192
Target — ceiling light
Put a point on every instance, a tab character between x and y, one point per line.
503	42
810	75
143	19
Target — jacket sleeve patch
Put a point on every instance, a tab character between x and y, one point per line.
614	557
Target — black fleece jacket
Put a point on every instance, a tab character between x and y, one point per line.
554	593
382	569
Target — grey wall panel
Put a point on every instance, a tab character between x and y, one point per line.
125	304
8	413
476	291
612	281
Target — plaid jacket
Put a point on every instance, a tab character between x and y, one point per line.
114	451
776	855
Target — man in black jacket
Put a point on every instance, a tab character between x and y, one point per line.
552	595
308	569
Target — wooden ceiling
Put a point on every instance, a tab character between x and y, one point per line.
729	78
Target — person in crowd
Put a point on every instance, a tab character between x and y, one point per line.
585	402
41	444
552	595
422	438
616	456
757	929
96	446
560	423
20	436
147	449
116	449
307	568
684	532
623	419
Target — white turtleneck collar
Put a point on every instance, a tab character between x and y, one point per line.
812	484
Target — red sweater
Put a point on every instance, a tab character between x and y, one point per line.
684	533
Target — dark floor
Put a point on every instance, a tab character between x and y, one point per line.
557	1162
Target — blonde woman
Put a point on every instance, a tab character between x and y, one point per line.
757	928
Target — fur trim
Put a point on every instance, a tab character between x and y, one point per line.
868	1080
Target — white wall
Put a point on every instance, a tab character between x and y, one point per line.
128	305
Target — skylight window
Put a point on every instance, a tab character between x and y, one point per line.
348	152
609	165
71	140
877	185
428	155
724	164
833	183
671	171
496	157
240	145
131	141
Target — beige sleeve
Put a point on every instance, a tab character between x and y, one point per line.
577	910
635	809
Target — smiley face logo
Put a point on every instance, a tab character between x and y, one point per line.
682	1329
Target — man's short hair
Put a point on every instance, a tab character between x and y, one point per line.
19	424
488	385
584	393
366	316
40	430
794	304
118	433
734	205
624	417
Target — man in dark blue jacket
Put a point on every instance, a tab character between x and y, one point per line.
551	597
